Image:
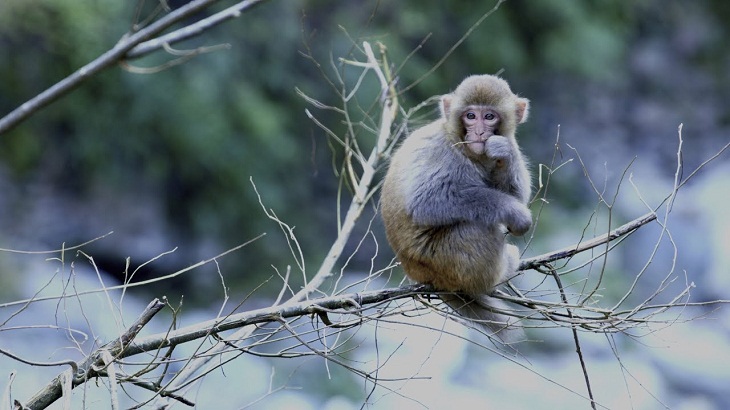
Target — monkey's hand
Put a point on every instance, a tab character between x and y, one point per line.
499	148
518	219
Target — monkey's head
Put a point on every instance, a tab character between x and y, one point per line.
482	106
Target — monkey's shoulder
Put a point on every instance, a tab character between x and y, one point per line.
428	146
425	137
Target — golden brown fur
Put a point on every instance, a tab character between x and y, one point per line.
446	208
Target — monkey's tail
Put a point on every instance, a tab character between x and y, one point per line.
483	313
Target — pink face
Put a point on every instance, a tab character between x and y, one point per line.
480	123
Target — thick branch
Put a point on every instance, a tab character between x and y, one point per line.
272	314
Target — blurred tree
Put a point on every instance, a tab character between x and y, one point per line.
188	139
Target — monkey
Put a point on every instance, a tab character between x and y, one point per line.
452	189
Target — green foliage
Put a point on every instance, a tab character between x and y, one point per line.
194	134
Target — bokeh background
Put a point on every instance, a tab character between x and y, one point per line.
164	160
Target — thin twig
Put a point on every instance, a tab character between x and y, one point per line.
576	340
570	251
135	284
454	47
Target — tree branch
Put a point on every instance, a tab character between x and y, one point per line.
192	30
568	252
53	390
119	52
348	304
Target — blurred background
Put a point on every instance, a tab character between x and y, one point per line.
165	159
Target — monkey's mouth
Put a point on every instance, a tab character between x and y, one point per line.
477	147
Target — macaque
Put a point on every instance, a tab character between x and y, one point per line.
452	189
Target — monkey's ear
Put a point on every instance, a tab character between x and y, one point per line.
445	105
523	110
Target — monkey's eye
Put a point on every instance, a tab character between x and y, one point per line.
489	116
470	116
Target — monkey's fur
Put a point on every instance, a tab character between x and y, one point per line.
446	205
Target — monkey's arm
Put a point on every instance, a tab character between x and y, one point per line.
512	175
441	199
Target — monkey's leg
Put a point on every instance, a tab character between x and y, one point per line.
510	262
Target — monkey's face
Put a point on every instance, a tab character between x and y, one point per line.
480	123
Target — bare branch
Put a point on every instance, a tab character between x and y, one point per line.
363	189
192	30
84	370
120	52
570	251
